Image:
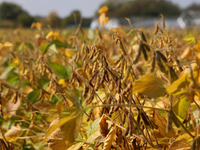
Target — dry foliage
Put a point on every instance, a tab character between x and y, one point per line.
101	89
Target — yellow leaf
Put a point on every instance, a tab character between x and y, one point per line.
47	107
178	86
60	107
83	73
68	53
12	134
186	53
150	85
37	25
54	36
161	122
15	60
55	140
1	46
119	31
62	83
44	106
70	121
189	38
103	10
180	144
109	138
196	48
49	35
186	137
7	44
58	37
181	107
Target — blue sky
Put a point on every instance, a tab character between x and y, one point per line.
65	7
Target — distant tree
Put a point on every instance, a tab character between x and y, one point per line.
53	19
194	7
124	8
72	19
25	20
10	11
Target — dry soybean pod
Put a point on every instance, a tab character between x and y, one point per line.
96	56
153	64
121	47
160	64
162	56
144	39
144	52
138	54
118	59
126	75
173	74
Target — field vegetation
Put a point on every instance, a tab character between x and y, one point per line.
123	88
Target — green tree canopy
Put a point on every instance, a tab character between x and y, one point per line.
10	11
119	8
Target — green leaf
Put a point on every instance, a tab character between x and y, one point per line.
181	106
58	43
19	46
13	78
60	70
150	86
34	96
52	48
189	38
29	45
93	131
6	71
70	121
91	34
44	48
179	86
43	82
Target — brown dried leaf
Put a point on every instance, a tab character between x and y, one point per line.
44	106
180	145
60	107
55	140
103	126
11	107
109	138
161	122
12	134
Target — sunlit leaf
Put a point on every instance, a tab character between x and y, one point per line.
186	53
180	144
181	107
103	10
12	108
44	48
180	86
68	53
109	138
29	45
69	122
59	69
189	38
37	25
93	131
150	86
34	96
12	134
58	43
161	122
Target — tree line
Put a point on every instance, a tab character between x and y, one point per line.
13	15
